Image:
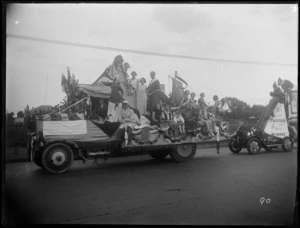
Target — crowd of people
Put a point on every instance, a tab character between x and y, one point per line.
153	107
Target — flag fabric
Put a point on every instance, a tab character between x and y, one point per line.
178	87
178	78
177	92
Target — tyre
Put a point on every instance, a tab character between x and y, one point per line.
57	158
183	152
159	154
287	144
253	146
234	147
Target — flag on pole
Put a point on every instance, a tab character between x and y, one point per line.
180	79
178	89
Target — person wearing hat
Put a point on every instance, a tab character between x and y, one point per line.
128	119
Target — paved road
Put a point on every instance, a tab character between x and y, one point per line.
212	189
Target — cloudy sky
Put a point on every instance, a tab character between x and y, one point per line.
246	32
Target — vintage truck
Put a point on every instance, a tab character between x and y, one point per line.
55	144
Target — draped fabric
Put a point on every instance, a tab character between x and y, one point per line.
104	78
99	90
123	81
113	112
177	92
108	127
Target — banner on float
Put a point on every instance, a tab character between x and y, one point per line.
277	124
74	127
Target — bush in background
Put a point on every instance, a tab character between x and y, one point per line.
16	135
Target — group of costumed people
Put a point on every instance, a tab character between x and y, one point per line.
134	104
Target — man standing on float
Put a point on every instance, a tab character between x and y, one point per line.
153	92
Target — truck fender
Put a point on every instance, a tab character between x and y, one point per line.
73	145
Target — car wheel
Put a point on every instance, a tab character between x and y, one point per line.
234	148
57	158
159	154
253	146
183	152
287	144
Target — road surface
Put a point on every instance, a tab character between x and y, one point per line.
224	189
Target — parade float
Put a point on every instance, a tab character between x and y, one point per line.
276	126
73	132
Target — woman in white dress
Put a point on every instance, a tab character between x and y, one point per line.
142	96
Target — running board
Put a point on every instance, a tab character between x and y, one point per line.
98	153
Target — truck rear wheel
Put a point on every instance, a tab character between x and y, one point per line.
57	158
183	152
159	154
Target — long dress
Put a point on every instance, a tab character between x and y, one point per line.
153	95
131	98
142	99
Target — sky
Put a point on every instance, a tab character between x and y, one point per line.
242	32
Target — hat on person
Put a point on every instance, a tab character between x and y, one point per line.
125	102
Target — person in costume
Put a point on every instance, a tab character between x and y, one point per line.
185	99
286	87
128	119
178	119
153	93
142	96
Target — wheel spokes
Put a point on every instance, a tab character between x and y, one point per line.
254	146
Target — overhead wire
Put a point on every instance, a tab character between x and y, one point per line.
144	52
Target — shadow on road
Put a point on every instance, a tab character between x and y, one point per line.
261	152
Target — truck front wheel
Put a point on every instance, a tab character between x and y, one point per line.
57	158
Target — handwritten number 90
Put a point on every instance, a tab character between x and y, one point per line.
263	199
